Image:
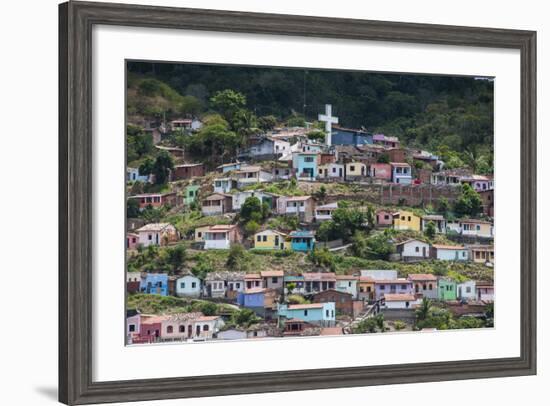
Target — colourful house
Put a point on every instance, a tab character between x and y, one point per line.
478	228
157	234
259	300
188	286
297	281
425	285
355	170
318	281
485	291
438	221
303	241
217	204
384	218
132	241
482	254
347	284
305	165
191	194
155	284
324	212
381	171
224	185
392	286
317	313
331	170
449	252
466	290
155	200
271	240
301	206
221	236
233	166
406	220
446	289
401	173
413	250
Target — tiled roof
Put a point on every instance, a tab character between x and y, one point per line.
305	306
319	276
270	274
154	227
422	277
447	247
398	297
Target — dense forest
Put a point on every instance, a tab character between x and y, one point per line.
439	113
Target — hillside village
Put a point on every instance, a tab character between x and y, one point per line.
298	228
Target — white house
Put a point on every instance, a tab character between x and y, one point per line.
249	175
302	206
438	220
478	228
188	286
413	249
133	175
269	146
347	284
206	327
324	212
219	284
221	236
449	252
156	234
399	301
224	185
331	171
466	290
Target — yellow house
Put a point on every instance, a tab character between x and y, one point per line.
199	233
356	170
406	220
271	240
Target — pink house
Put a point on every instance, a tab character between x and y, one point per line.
380	171
132	240
384	218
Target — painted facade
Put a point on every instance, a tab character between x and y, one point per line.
303	241
271	240
401	173
155	284
316	313
157	234
446	288
188	286
406	220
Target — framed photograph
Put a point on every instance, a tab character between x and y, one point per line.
261	202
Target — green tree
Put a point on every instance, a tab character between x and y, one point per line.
469	203
321	194
383	158
244	317
423	310
251	209
132	208
208	308
430	230
251	227
235	258
399	325
228	102
267	122
379	246
176	257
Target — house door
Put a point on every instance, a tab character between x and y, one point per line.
460	291
340	172
198	331
189	331
424	251
157	238
276	240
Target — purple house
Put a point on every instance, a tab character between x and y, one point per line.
391	286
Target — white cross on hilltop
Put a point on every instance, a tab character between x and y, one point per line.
329	120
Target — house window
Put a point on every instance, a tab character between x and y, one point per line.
417	249
386	217
333	170
264	238
352	168
305	312
468	289
238	285
182	285
182	329
403	287
349	284
368	289
382	287
409	219
150	237
131	328
403	218
205	327
424	286
170	329
259	238
193	285
430	286
274	279
308	159
327	313
199	234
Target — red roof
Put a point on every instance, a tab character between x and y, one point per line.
422	277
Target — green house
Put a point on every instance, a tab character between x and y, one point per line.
446	289
191	194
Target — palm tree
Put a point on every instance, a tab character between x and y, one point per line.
423	311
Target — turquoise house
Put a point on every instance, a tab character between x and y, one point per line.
305	164
191	194
317	313
446	289
303	241
155	284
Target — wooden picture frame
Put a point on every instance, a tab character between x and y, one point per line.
76	20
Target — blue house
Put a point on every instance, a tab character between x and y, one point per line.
154	283
302	241
259	300
318	313
234	166
401	172
305	164
349	136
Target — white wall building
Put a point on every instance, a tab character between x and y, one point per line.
466	290
188	286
